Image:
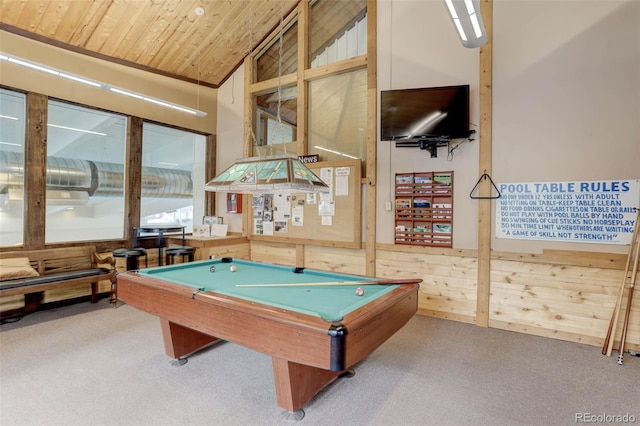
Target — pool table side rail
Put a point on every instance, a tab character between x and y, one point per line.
373	324
284	334
301	338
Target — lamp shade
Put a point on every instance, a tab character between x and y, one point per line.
270	174
466	18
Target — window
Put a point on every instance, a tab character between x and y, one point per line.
338	116
338	31
85	174
275	136
12	144
333	122
173	176
268	64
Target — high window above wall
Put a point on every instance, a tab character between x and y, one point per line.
309	96
337	33
85	173
12	145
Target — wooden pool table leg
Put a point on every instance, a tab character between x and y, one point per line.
180	341
296	384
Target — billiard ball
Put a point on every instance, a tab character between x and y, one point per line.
233	268
212	268
359	291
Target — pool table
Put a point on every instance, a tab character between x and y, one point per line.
312	323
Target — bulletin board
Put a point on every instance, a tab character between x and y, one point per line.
332	219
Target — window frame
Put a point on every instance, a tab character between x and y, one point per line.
35	182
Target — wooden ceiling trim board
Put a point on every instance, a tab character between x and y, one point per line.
48	27
136	42
107	27
201	31
188	41
162	45
217	42
123	28
158	26
11	10
28	14
75	13
90	20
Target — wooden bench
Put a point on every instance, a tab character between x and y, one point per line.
57	268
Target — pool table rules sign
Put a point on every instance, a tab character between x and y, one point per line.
313	324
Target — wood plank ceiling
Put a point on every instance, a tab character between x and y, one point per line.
167	37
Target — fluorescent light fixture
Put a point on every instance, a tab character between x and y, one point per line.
126	93
99	84
466	17
8	117
32	65
10	144
76	130
80	79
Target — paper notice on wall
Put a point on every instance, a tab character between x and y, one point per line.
326	174
267	228
580	211
280	227
342	181
327	208
282	207
311	198
297	216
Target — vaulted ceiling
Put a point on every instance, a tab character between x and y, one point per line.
201	41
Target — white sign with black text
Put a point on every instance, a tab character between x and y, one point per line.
580	211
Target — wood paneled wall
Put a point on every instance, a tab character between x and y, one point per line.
448	288
561	295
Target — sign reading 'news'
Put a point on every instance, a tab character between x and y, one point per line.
582	211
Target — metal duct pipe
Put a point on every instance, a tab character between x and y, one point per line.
96	178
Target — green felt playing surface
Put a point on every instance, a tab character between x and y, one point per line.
330	303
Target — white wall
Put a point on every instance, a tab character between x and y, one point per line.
155	85
418	47
230	134
566	98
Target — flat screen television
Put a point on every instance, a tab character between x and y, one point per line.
435	114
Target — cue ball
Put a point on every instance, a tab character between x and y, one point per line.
359	291
233	268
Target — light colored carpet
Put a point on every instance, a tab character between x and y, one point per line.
94	365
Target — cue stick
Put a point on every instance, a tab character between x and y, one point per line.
607	347
333	283
626	314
